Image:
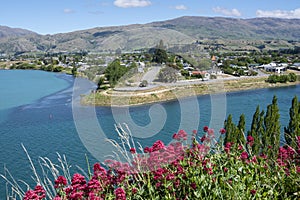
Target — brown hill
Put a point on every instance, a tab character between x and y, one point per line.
183	30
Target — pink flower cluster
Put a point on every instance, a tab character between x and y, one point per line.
153	158
167	167
36	194
285	155
181	135
250	140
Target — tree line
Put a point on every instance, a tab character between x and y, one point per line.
264	134
283	78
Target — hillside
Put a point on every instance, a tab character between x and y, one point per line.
183	30
6	31
231	28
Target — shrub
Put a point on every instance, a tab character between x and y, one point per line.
291	77
200	170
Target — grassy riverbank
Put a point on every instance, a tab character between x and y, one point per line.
168	93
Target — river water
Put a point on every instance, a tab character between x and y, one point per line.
40	110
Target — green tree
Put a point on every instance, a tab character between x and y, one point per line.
292	77
273	78
74	71
100	82
160	56
293	129
168	75
114	72
204	64
256	130
240	133
271	137
230	128
261	130
161	45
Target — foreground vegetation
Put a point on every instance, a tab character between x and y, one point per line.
224	165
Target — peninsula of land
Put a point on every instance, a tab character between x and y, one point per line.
169	92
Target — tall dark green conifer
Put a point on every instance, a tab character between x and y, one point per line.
230	128
240	133
271	136
255	133
293	129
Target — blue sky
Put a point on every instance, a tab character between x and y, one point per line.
60	16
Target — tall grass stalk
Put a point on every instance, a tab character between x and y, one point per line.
49	171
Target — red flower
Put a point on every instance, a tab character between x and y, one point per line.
193	186
254	159
134	190
37	194
158	145
182	134
240	147
211	132
76	195
97	167
78	182
205	128
253	192
170	177
175	136
120	194
222	131
225	169
157	185
244	156
30	195
177	183
147	150
203	138
250	138
60	181
132	150
263	156
39	190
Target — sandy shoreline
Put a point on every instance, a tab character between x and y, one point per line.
170	93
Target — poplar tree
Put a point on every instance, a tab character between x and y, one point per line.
254	131
230	130
240	131
271	136
260	132
293	129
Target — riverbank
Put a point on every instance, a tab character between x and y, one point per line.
170	92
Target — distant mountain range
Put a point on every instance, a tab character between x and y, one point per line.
183	30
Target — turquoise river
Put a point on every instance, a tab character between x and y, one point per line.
40	110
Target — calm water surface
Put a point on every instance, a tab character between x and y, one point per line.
36	111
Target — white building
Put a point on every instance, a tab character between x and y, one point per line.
141	67
273	67
295	66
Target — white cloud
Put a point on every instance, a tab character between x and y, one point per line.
279	13
131	3
180	7
68	11
233	12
